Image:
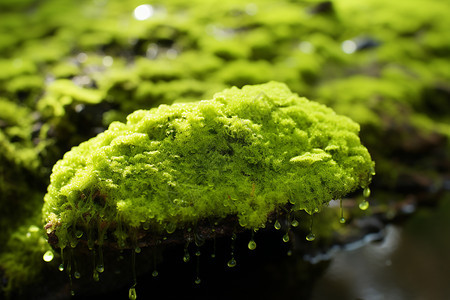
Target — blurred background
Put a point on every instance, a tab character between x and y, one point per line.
69	68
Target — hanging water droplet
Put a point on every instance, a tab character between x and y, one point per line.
186	257
286	237
366	192
252	245
311	237
289	253
341	209
72	292
364	205
48	256
277	225
77	275
96	276
132	293
100	268
198	280
61	267
90	243
294	223
155	273
198	253
79	234
137	250
231	263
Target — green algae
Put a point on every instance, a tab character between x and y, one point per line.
245	153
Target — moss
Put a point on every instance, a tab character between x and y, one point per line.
245	153
21	257
57	91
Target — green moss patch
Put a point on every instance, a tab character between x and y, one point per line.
245	153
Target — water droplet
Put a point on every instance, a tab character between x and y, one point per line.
366	192
252	245
61	267
186	256
90	243
364	205
311	237
286	237
100	268
289	253
231	263
132	294
48	256
137	250
79	234
146	226
198	253
95	276
277	225
77	275
72	292
155	273
198	280
341	209
294	223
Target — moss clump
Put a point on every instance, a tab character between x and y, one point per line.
245	153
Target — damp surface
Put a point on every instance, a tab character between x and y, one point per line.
411	262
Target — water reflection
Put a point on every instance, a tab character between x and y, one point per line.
412	262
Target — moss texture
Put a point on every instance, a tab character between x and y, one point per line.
70	68
247	152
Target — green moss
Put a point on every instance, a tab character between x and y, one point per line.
245	153
21	257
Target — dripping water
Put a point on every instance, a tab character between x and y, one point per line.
232	262
341	210
197	278
311	236
252	243
132	291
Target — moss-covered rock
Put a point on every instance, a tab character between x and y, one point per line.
247	153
